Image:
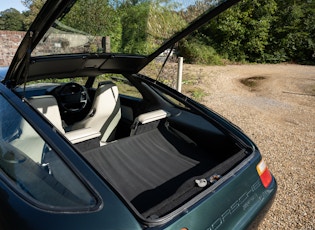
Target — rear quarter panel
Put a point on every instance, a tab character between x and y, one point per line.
232	205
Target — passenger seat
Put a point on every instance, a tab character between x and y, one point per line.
48	106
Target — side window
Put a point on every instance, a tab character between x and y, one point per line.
33	166
170	99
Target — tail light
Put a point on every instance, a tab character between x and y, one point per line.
264	173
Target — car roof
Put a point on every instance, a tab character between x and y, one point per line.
58	37
3	72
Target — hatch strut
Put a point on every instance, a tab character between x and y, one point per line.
27	63
168	55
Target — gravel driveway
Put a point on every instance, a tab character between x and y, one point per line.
278	113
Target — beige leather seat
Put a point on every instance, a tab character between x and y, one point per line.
105	113
29	141
152	117
48	106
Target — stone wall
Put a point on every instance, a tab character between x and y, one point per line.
57	43
9	42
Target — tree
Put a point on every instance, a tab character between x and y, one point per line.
11	19
34	7
148	24
293	35
134	25
262	31
242	32
96	18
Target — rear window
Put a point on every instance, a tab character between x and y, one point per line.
34	168
124	85
127	27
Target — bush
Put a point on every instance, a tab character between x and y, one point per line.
198	53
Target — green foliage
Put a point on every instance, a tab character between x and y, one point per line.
196	52
11	19
198	94
251	31
104	19
294	31
146	25
164	21
260	31
241	33
134	34
34	8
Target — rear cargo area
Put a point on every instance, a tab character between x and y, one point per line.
156	170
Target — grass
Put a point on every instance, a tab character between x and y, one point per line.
198	94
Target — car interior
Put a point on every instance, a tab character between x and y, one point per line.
133	139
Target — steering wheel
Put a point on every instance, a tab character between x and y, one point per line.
72	97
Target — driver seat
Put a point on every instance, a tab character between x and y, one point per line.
105	112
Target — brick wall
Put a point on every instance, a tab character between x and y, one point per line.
9	42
